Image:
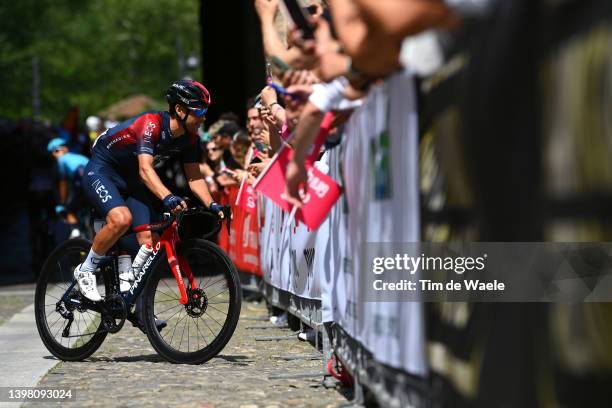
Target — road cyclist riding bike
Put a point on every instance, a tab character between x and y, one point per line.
116	180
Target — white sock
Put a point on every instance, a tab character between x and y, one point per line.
91	262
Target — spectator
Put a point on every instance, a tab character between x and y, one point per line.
70	169
223	139
210	167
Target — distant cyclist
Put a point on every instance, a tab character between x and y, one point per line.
71	168
121	170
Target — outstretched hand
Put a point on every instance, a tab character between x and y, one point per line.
296	180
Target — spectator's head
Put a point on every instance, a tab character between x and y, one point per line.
223	137
214	128
240	146
254	123
188	102
230	116
214	153
57	147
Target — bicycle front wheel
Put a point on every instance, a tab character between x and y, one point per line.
198	331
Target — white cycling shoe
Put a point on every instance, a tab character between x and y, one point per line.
87	284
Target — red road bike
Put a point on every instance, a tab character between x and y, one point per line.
196	293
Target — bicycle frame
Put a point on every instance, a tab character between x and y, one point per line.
177	263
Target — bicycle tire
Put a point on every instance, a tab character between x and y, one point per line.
65	257
217	259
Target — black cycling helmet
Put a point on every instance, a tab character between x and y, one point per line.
188	93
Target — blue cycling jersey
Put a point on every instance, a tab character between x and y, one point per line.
69	164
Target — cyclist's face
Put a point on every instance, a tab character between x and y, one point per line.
192	122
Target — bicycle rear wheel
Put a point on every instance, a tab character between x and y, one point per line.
198	331
85	333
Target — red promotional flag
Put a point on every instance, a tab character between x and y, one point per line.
321	195
271	181
324	129
247	199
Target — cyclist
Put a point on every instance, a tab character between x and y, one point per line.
71	169
121	170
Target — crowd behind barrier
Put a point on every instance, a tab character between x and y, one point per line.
406	162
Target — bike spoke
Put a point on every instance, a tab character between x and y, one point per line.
220	311
215	320
173	307
179	319
223	291
183	333
222	278
203	336
206	324
164	293
168	300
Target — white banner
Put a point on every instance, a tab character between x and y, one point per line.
382	189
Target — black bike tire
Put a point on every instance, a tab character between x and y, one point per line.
226	333
58	350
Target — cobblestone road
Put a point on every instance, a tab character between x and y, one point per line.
127	372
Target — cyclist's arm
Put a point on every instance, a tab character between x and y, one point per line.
197	184
150	178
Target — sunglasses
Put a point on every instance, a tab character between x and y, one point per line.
199	112
214	149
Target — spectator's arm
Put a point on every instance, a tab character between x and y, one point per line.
307	130
397	19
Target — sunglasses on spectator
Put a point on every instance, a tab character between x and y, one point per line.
199	112
213	149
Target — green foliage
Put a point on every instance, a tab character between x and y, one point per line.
92	53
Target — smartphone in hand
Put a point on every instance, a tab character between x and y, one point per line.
300	18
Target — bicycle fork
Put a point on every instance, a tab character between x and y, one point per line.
178	263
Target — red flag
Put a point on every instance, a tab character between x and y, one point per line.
324	129
321	195
247	199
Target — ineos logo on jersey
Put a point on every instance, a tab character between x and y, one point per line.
148	132
101	191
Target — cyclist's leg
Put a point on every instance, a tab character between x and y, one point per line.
101	187
143	213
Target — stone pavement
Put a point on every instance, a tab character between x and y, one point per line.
127	372
23	357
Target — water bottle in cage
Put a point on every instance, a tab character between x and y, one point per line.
124	268
141	257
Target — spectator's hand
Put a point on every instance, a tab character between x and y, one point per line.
299	77
256	168
303	91
266	115
296	180
268	96
266	9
